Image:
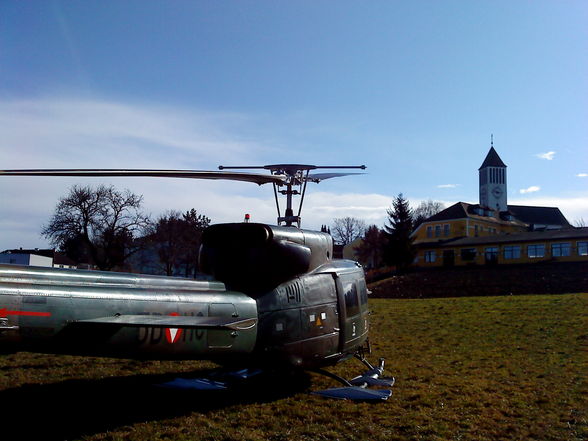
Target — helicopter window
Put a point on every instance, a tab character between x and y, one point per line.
351	300
363	299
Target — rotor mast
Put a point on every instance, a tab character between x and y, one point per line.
297	176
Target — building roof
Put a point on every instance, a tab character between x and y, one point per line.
523	215
462	210
456	211
492	160
539	215
530	236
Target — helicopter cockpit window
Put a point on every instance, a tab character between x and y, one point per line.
351	300
363	297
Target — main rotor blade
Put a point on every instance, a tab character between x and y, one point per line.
189	174
289	167
317	177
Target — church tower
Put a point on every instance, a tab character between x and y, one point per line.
493	182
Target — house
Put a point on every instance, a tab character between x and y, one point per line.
38	257
34	257
493	232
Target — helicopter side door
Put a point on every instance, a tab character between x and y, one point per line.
353	316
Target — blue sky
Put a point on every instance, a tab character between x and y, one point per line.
411	89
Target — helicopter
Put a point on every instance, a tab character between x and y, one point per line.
279	300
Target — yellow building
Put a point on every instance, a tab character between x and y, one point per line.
535	246
493	232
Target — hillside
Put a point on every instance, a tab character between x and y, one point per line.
540	278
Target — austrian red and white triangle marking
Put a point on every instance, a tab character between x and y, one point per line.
172	335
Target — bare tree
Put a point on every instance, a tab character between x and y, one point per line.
425	210
371	251
176	238
195	224
346	229
100	223
166	236
580	223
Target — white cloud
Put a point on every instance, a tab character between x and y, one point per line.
531	189
98	133
74	133
582	175
549	155
107	134
448	186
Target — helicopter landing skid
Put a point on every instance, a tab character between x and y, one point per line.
356	389
218	380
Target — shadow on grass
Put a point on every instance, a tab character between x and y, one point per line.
74	408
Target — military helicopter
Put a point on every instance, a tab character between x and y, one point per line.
279	300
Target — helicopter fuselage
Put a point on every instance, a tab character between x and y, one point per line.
280	299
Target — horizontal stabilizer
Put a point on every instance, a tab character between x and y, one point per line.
355	394
168	321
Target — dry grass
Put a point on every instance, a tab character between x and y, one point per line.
477	368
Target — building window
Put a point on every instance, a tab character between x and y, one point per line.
582	248
537	250
491	254
468	254
476	230
430	256
563	249
429	231
437	230
446	230
511	252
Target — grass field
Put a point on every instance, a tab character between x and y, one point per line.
471	368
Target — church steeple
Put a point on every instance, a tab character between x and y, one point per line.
493	181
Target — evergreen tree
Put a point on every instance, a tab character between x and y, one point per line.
399	250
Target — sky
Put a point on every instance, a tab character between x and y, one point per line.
413	90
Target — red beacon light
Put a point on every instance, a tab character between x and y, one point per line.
247	218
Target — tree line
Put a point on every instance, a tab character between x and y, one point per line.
106	227
391	245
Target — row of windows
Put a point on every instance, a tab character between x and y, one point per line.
510	252
446	230
478	229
